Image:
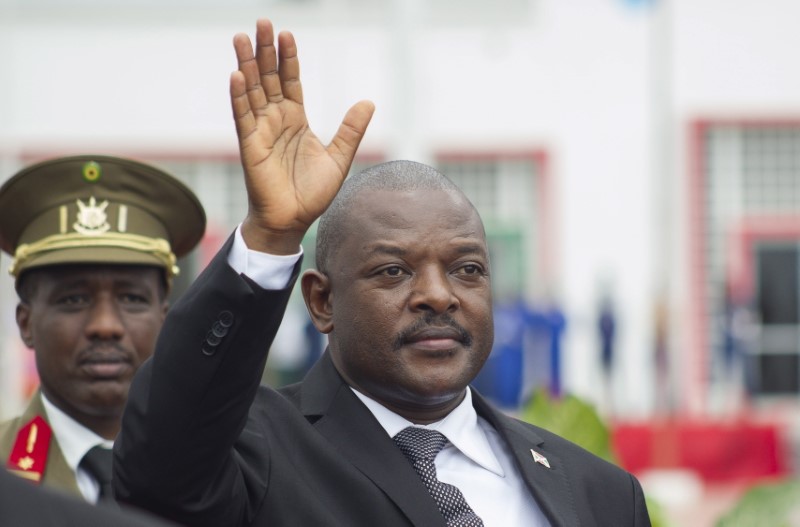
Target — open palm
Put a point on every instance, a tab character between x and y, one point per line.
291	177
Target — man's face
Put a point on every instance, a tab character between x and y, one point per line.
91	327
410	297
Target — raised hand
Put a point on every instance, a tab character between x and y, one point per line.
291	177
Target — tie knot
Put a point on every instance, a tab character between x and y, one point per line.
97	462
420	443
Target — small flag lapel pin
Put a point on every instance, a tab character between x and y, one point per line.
540	458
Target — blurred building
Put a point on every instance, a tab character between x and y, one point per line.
652	147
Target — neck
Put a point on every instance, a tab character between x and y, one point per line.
106	425
424	414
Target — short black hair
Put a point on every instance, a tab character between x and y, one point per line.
393	175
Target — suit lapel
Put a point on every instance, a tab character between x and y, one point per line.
549	486
355	432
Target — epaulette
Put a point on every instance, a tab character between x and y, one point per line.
28	457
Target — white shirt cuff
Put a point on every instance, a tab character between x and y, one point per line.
269	271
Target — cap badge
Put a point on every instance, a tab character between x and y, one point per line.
91	171
92	218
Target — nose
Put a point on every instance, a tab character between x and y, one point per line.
105	322
433	291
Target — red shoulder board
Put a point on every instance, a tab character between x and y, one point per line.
29	455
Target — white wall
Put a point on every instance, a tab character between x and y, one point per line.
605	87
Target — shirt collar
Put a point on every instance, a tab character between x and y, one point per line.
73	438
460	427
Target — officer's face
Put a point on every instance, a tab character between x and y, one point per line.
91	327
410	298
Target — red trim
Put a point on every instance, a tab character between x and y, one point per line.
742	239
547	219
782	121
693	355
545	200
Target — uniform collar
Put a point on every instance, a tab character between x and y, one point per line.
73	438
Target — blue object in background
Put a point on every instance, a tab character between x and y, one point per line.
637	4
526	354
556	324
501	376
606	325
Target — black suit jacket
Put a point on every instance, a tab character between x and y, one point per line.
22	504
204	444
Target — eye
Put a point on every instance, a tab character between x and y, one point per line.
73	300
470	270
393	271
133	298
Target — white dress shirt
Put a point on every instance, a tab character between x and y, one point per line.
476	460
75	440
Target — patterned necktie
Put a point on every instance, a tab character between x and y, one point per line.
421	446
97	462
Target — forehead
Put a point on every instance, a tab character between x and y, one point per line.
70	275
419	216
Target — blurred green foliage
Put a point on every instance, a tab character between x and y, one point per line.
571	418
773	505
578	421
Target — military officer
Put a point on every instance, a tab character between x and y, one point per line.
94	240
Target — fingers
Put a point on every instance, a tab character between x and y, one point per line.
289	68
345	143
240	104
268	78
249	69
267	60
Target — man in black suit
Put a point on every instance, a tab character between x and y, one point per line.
384	429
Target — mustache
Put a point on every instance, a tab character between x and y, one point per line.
432	320
105	352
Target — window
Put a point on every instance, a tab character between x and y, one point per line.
509	192
749	190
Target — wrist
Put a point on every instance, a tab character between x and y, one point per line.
270	241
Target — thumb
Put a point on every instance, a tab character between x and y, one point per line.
345	143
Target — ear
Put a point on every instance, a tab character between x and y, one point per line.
316	288
164	310
24	324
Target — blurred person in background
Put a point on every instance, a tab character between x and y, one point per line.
94	240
